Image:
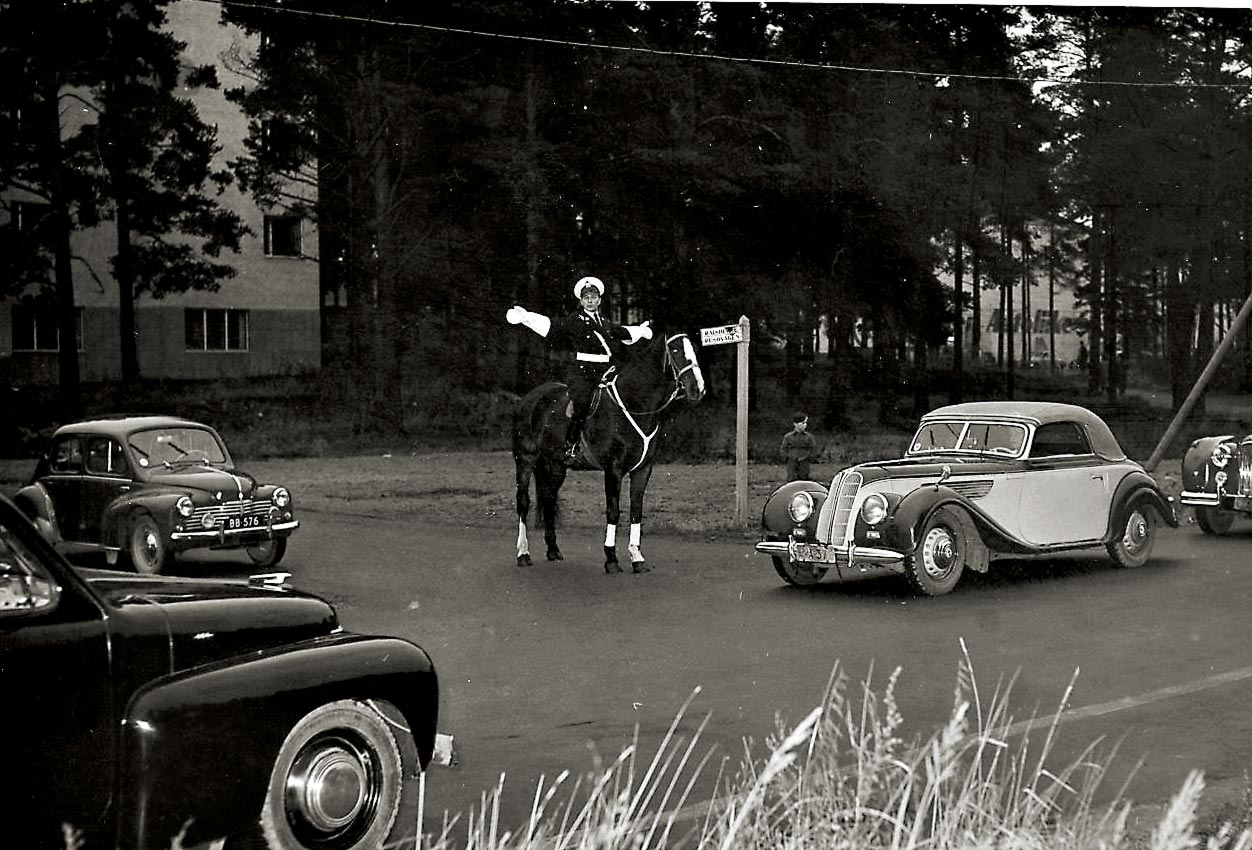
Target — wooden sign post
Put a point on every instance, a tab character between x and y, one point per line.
739	334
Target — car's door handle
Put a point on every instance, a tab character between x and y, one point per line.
1097	478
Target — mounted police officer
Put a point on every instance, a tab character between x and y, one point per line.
588	335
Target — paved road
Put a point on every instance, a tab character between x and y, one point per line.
543	667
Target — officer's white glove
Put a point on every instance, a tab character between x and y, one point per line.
537	322
639	331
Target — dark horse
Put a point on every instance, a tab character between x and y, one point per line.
620	437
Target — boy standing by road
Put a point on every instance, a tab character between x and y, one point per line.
798	448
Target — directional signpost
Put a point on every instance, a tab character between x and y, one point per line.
738	334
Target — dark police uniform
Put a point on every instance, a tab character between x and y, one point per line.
591	339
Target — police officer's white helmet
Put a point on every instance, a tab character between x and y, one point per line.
583	283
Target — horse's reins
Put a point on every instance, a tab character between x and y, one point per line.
675	394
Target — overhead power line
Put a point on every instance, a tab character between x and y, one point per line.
937	76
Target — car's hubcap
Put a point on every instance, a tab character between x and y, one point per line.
1136	532
938	553
149	546
330	785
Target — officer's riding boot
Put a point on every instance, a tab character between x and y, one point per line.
573	435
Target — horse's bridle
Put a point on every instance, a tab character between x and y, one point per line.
678	369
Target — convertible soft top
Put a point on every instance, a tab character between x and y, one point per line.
1103	443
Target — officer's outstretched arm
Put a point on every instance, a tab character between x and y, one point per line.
537	322
638	332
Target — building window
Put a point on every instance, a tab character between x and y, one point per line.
216	330
35	328
282	236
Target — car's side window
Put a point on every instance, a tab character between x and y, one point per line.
1059	438
105	457
66	455
24	584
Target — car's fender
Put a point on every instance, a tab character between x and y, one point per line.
1197	469
1137	486
198	746
119	513
901	532
776	521
35	502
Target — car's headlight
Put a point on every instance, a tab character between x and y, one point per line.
801	507
184	506
1222	453
281	497
874	508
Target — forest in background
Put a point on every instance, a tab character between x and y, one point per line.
707	160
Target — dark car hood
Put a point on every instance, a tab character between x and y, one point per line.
206	479
206	620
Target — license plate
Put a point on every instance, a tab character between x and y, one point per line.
234	523
813	553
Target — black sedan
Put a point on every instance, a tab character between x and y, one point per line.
142	488
135	708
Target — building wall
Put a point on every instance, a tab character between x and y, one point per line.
280	294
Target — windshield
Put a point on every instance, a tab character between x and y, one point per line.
958	436
169	447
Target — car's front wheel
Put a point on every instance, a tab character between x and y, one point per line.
1216	521
937	563
149	553
267	553
1133	546
799	573
339	781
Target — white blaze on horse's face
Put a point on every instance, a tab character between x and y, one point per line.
689	372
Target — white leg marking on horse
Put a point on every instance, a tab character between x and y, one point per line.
610	536
523	545
636	554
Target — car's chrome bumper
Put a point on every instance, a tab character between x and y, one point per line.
1215	500
222	535
851	561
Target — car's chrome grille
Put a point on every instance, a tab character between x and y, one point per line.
234	508
971	489
842	496
1245	468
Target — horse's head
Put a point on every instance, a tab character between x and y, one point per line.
680	356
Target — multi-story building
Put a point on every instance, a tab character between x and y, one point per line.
263	321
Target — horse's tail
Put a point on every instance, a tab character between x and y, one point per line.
538	416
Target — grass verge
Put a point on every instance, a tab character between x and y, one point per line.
847	777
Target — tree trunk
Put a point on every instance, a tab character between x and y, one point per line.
1110	323
1095	305
1179	333
958	319
68	376
124	272
1052	298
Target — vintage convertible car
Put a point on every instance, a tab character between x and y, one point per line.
147	487
978	480
135	707
1217	481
